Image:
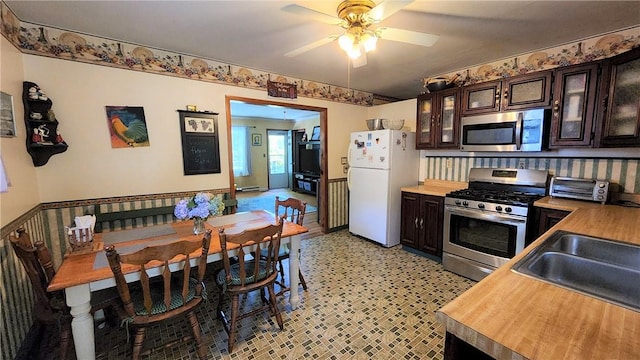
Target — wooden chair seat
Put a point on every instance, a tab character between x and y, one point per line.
164	296
244	276
236	278
158	305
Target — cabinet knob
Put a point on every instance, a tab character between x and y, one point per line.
416	222
421	224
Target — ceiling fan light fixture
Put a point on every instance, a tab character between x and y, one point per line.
346	42
355	52
369	41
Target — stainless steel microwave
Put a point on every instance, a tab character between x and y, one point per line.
526	130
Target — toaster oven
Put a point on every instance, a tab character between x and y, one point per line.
581	189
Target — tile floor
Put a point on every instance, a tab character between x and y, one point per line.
363	302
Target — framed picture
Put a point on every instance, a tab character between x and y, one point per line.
199	125
127	126
315	135
7	120
256	139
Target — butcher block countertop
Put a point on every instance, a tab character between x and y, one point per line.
436	187
510	316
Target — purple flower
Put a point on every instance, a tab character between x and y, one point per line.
181	211
201	205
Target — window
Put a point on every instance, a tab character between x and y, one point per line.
240	147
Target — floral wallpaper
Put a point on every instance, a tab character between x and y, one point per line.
586	50
52	42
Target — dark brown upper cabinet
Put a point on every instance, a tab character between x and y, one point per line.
514	93
438	120
574	100
619	101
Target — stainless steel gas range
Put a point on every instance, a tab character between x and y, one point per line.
488	223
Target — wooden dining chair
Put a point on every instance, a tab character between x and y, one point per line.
293	210
164	296
50	310
246	275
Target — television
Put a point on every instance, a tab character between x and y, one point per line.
309	161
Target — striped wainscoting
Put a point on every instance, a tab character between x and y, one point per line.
624	172
47	222
338	205
16	294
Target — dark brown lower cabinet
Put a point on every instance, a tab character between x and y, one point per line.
422	216
547	218
456	349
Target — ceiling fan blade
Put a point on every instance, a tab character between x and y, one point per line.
360	61
386	9
312	14
311	46
407	36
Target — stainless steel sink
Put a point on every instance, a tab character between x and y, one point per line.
602	268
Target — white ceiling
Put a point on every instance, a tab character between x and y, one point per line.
257	34
241	109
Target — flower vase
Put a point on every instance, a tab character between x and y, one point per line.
198	226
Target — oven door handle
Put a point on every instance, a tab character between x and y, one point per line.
484	216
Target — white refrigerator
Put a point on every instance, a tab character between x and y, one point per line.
380	163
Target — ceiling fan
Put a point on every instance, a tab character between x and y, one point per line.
357	17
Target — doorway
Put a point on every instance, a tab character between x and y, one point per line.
278	159
322	183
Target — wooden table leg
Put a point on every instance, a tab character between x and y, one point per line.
79	300
294	271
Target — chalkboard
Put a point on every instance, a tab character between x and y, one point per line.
200	149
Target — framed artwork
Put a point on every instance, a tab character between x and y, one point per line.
315	135
200	144
198	125
256	139
127	126
7	120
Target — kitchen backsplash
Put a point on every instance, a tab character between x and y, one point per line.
624	172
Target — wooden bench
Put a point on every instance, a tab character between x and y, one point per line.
141	214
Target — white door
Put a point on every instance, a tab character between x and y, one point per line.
277	158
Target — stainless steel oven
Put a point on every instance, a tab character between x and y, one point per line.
487	224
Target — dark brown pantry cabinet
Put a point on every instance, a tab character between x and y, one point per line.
574	100
620	101
438	120
514	93
421	219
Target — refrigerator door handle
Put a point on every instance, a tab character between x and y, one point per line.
349	178
349	149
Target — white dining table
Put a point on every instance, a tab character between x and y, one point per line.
85	272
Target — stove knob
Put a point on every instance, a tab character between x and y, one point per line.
498	208
457	202
507	209
465	203
481	206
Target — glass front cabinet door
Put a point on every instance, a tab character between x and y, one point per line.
620	100
448	119
481	98
426	122
574	105
438	120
